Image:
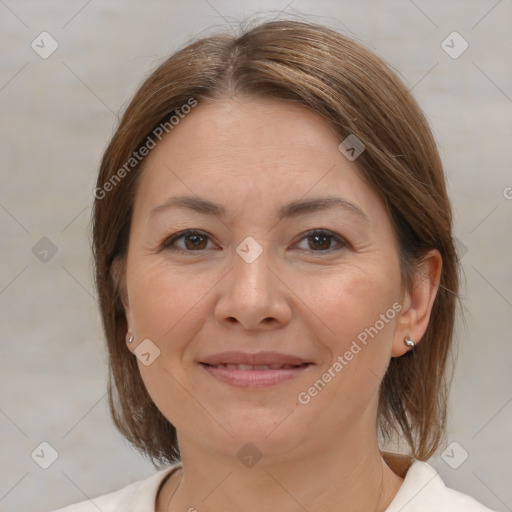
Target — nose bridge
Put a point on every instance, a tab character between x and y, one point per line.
252	294
251	271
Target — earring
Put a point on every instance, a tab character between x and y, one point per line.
131	338
409	342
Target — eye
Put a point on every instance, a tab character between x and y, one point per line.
193	240
320	240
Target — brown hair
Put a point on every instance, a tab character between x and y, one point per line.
357	93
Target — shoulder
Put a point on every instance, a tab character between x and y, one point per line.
423	490
140	495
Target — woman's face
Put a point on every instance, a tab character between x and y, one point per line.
261	274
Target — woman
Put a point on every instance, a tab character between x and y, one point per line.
277	280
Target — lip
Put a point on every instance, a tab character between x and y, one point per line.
255	359
231	373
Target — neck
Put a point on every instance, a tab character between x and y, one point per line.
347	472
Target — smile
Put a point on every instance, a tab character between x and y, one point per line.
254	376
250	367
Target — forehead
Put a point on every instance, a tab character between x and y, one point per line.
247	127
241	149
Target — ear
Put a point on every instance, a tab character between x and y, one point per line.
417	303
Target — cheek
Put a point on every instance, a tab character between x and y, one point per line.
334	306
358	309
161	299
355	299
164	309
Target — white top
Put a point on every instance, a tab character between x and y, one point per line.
422	491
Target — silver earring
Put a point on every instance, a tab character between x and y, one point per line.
131	338
409	342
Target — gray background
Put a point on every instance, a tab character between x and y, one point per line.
57	116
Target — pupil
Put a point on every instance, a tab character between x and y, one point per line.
324	237
196	241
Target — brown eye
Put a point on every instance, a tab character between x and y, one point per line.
192	241
321	241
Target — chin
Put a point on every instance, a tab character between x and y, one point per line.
263	430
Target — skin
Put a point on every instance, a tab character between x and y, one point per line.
300	296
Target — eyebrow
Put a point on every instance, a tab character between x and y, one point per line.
293	209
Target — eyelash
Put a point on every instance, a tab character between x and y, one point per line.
167	244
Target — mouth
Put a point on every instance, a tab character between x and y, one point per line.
254	370
250	367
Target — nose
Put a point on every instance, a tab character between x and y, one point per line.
253	296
